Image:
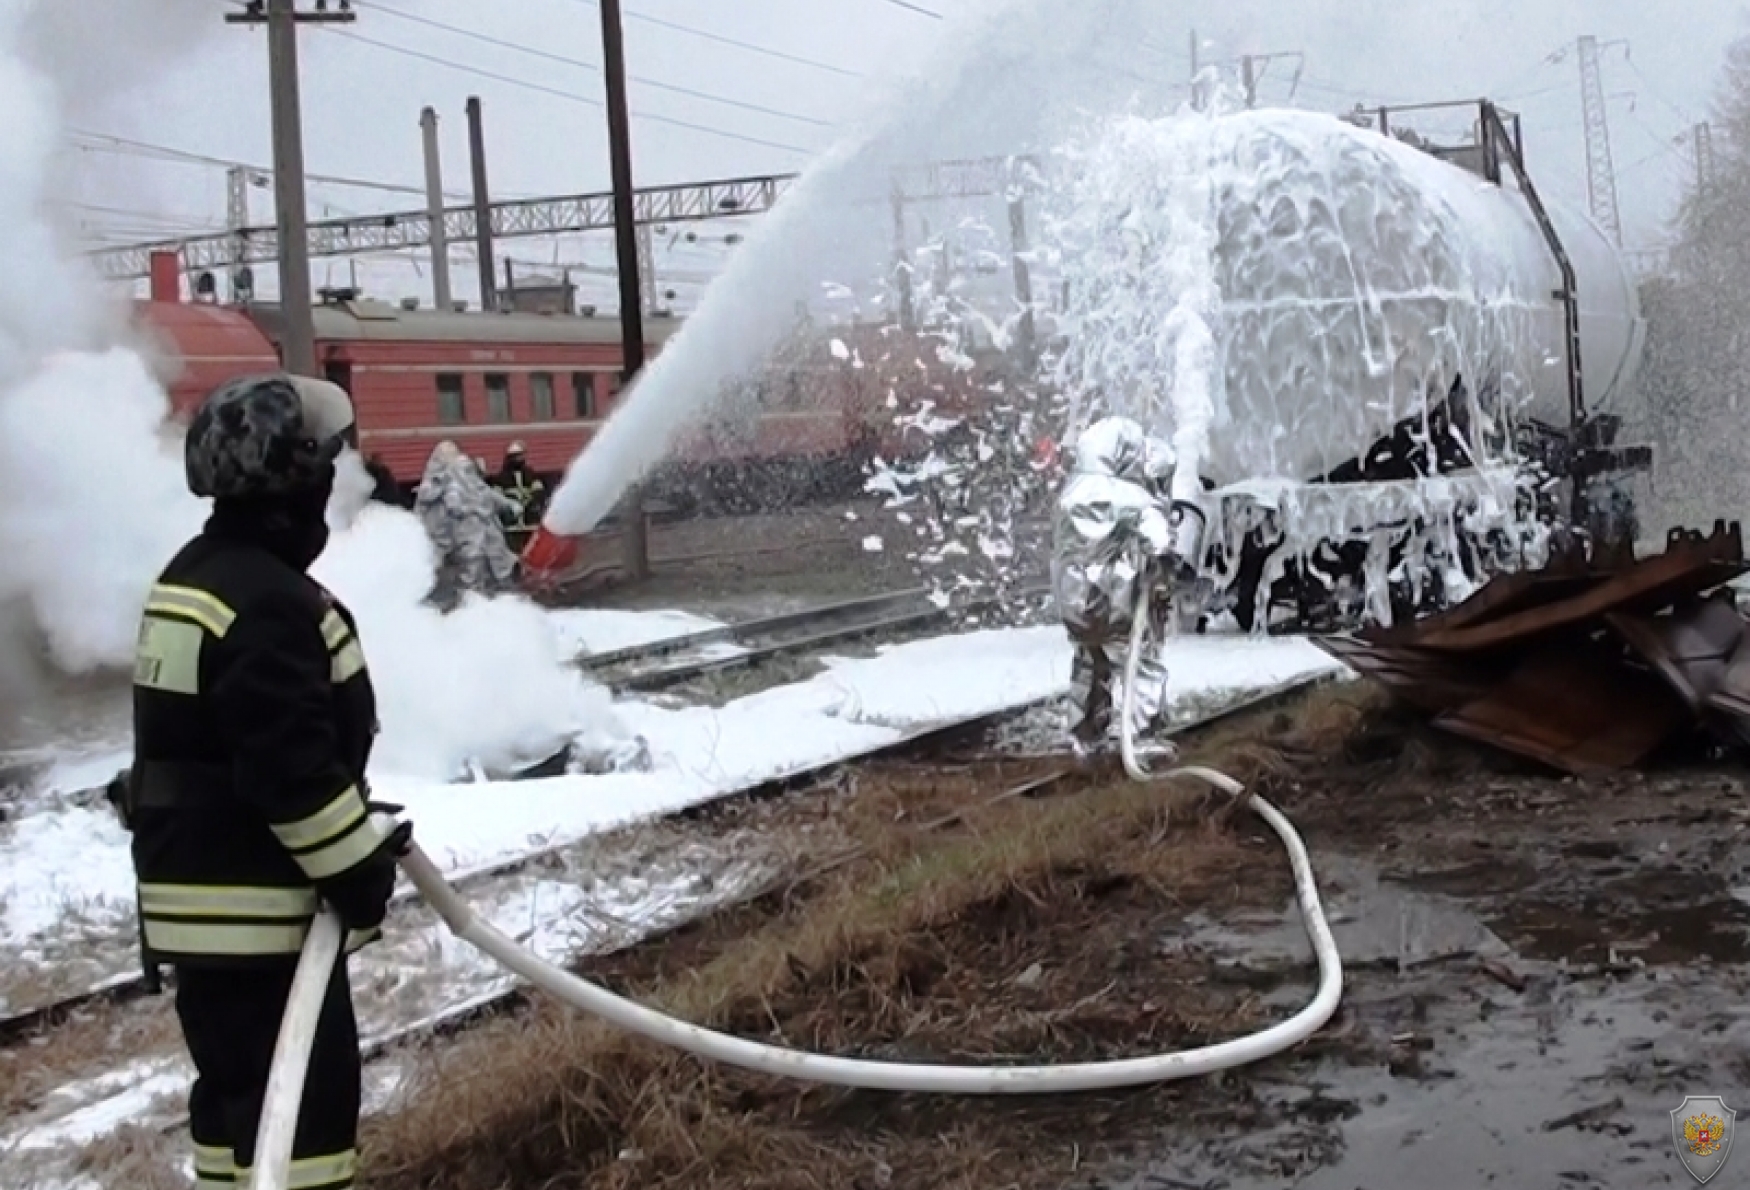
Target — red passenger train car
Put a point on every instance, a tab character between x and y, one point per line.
485	380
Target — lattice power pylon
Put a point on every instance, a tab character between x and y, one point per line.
1704	159
1600	169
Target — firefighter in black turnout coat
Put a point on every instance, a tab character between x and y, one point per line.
253	721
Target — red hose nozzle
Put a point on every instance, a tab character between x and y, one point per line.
548	557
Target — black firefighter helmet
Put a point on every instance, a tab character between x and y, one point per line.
269	435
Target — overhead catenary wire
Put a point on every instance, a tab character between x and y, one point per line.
488	39
724	39
1658	97
555	92
110	143
570	96
917	8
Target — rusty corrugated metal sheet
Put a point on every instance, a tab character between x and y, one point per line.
1690	648
1578	709
1566	575
1427	680
1688	567
1732	697
1581	666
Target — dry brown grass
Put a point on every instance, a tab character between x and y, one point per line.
84	1046
134	1158
91	942
913	950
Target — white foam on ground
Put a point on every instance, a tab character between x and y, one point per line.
857	706
73	860
585	631
420	974
699	754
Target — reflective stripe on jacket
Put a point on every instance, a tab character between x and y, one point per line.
253	721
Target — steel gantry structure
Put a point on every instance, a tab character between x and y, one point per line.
412	229
691	202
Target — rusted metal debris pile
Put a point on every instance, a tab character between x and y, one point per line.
1583	667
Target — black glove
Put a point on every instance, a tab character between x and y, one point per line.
361	895
401	838
119	794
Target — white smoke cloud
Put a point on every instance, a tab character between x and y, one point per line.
92	499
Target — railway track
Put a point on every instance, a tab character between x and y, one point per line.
123	988
116	1104
641	669
754	643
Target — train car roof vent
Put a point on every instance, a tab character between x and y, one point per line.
410	303
371	310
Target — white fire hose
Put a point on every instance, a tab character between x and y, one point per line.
291	1058
291	1053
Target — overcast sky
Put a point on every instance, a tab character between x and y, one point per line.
811	65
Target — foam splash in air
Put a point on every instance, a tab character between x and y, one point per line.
1007	78
92	500
1298	286
1343	284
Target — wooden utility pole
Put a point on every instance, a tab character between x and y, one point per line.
1249	80
282	18
635	556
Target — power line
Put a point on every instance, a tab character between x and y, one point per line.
573	97
107	142
1667	150
194	222
1522	96
917	8
1687	119
500	42
749	46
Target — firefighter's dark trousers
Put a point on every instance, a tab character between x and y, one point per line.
230	1021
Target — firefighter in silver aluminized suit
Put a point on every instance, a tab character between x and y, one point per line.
1113	531
463	515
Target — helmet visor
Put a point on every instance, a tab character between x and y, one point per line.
328	415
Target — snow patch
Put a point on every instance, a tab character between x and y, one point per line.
607	630
74	861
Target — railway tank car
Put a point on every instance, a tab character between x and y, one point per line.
1409	345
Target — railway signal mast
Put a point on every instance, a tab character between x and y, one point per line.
282	18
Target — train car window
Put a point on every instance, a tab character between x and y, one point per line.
497	398
583	395
541	396
452	411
